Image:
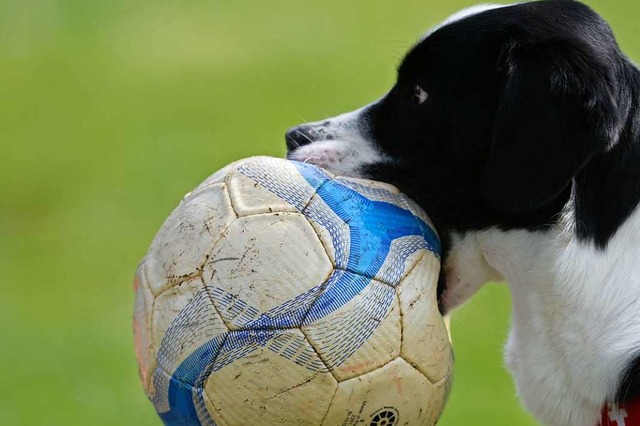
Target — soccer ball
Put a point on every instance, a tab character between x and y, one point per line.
278	294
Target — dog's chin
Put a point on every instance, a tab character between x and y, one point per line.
331	156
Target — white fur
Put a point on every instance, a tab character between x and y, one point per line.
464	13
576	312
346	150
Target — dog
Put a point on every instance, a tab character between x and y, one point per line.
517	128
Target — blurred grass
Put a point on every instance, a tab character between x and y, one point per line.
111	111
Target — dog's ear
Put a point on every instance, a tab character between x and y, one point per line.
556	109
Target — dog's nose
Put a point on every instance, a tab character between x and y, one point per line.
298	136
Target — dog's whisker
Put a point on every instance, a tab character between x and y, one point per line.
304	136
295	143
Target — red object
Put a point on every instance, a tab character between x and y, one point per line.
627	414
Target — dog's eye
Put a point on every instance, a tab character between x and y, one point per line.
420	94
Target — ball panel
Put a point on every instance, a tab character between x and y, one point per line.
377	229
444	387
142	328
267	388
380	191
333	232
415	208
291	346
425	341
403	255
186	237
395	390
413	230
373	190
266	271
354	333
249	197
217	418
217	178
186	404
185	356
188	310
260	183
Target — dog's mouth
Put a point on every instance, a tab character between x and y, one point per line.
328	154
315	145
342	157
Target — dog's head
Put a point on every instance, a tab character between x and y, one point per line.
492	115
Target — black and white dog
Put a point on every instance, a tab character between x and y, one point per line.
518	129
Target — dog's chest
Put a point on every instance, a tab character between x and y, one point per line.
576	317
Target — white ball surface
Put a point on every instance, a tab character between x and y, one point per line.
278	294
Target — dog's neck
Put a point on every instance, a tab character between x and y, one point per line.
576	311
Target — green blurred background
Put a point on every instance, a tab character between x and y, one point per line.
111	110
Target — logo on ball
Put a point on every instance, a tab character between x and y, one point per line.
387	416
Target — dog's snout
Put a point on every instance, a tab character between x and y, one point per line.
298	136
